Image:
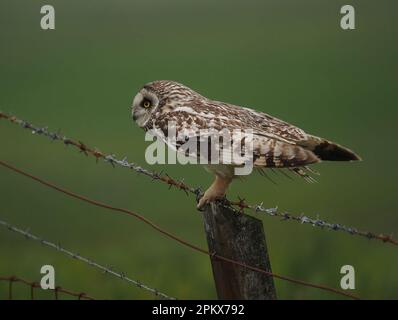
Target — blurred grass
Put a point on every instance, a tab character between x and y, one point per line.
286	58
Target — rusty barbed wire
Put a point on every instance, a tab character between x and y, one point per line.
97	154
35	285
237	206
76	256
173	236
303	219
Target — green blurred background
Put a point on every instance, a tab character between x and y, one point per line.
288	58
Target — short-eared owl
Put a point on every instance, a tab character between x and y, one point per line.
276	144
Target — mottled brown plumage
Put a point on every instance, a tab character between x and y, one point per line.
276	144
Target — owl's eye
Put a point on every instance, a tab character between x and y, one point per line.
146	104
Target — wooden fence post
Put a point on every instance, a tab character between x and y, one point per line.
239	237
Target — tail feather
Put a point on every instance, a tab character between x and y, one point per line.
301	173
327	150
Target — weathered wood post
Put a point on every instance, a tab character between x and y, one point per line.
239	237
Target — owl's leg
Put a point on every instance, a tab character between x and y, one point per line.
215	192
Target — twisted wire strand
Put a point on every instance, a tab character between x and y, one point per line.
33	285
304	219
173	236
238	206
90	262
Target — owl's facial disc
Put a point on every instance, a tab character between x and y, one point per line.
144	104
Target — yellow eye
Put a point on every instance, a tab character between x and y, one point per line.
146	104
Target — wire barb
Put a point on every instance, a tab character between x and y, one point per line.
168	234
28	235
181	185
97	154
33	285
316	222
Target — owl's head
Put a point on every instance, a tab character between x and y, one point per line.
158	97
145	103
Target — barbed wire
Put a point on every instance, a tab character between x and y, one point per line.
237	206
76	256
35	285
172	236
97	154
316	222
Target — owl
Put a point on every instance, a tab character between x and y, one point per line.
276	144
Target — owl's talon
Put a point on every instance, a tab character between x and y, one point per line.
215	192
207	198
200	205
277	144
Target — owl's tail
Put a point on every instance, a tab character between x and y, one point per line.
330	151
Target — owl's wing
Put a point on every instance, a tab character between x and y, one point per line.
276	143
273	143
197	139
270	127
274	153
285	145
